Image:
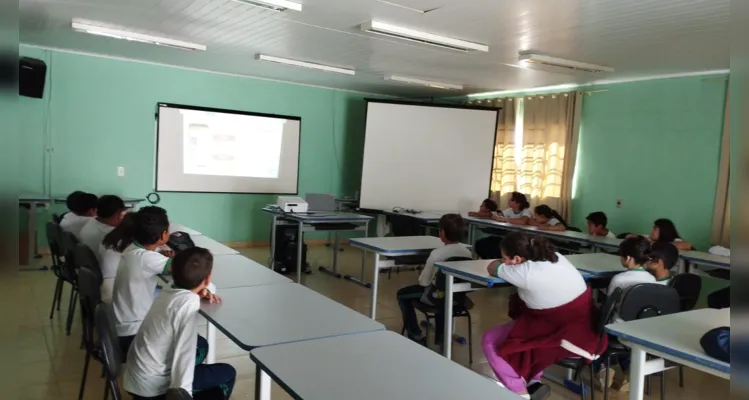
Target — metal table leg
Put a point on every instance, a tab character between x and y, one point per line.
361	280
333	271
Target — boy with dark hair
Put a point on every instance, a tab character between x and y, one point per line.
165	353
487	208
451	228
82	208
663	257
597	222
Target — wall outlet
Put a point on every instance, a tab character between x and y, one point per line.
618	203
120	171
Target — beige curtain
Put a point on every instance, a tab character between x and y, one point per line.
551	125
721	229
504	167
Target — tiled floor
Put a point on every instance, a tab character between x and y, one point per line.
50	363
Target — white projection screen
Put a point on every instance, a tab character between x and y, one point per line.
211	150
427	157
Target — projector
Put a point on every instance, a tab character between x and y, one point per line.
292	204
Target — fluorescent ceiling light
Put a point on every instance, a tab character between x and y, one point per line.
541	59
273	5
531	90
438	85
382	28
87	27
303	64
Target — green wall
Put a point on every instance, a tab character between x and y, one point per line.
655	145
101	115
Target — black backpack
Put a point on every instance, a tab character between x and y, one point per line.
180	241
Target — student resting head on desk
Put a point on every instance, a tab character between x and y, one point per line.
487	208
167	351
663	257
451	228
82	208
597	222
547	219
519	213
138	239
664	230
553	314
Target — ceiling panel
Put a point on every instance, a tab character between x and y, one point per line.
637	38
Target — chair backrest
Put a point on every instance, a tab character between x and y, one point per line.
57	218
67	243
54	235
649	300
607	310
688	286
440	280
85	258
89	295
110	345
178	394
404	225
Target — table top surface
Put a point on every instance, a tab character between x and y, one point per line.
475	270
372	366
267	315
36	197
425	216
572	235
320	216
398	245
597	264
176	227
233	271
677	335
216	248
706	258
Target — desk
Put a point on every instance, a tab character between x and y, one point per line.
216	248
674	337
130	202
310	219
175	227
268	315
597	264
32	201
706	259
233	271
372	366
391	247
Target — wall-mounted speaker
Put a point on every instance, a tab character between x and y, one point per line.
32	74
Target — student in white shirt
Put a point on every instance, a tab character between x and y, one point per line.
109	213
663	257
518	213
487	209
141	265
597	222
451	228
165	353
82	208
664	230
547	219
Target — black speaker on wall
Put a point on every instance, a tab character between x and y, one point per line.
31	76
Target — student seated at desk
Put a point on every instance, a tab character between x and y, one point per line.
518	213
109	213
451	228
139	270
553	313
663	257
597	222
82	208
167	351
665	231
547	219
487	209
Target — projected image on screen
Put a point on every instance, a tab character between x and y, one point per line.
231	144
202	149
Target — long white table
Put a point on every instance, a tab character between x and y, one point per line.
674	337
177	227
391	247
706	259
216	248
269	315
597	264
309	220
371	366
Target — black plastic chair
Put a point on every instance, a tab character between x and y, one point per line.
54	235
110	348
688	286
577	364
639	302
68	272
85	258
404	225
178	394
89	283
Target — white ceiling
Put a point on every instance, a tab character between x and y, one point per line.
638	38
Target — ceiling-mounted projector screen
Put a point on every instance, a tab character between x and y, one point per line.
427	157
212	150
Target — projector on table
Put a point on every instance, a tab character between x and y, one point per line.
292	204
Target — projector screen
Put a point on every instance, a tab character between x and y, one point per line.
223	151
427	157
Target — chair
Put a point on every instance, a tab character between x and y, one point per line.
461	309
54	235
68	271
576	364
85	258
178	394
110	348
688	286
89	296
644	301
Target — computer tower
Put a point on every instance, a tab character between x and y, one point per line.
286	250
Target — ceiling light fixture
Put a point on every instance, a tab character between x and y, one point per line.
533	58
431	39
90	28
531	90
273	5
416	81
304	64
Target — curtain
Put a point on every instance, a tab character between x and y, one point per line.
721	229
551	125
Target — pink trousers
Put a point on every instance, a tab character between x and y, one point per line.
493	339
